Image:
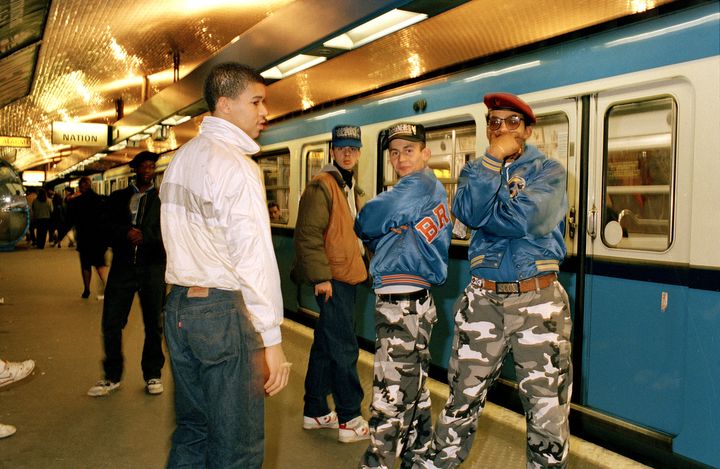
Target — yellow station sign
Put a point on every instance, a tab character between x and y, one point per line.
16	142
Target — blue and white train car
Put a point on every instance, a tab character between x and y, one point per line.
634	115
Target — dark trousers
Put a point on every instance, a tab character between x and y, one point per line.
332	367
42	226
122	284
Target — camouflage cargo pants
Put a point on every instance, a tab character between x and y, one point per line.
535	327
400	422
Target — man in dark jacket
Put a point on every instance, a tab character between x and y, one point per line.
86	214
138	265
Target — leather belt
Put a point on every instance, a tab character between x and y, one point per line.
396	297
523	286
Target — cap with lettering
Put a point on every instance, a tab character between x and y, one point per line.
509	102
346	136
405	131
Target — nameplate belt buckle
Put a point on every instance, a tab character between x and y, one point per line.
523	286
507	287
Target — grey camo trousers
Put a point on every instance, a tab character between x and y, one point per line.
400	423
535	327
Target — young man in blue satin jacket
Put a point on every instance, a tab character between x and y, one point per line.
514	200
408	229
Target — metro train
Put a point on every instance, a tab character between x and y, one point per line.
633	113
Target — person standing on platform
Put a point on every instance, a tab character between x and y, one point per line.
86	214
41	212
329	257
514	199
408	229
11	372
65	228
138	266
224	310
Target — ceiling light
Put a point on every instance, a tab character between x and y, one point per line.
139	137
376	28
152	129
175	120
118	146
291	66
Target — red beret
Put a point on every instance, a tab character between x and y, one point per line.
510	102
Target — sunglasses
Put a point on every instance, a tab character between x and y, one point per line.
511	122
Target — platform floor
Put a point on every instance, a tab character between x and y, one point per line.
43	317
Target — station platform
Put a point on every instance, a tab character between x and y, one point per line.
43	317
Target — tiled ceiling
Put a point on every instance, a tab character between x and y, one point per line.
22	23
95	53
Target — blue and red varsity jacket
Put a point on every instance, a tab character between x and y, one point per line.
417	257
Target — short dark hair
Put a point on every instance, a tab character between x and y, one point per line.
228	79
272	204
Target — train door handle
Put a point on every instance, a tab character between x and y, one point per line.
592	222
572	224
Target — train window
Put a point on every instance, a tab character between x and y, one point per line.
551	136
450	148
276	175
314	162
639	157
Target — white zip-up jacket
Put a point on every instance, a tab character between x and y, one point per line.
215	224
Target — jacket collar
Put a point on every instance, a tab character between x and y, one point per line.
228	132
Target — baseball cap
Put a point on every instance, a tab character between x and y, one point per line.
510	102
405	131
346	136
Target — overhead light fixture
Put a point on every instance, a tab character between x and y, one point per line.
118	146
175	120
291	66
152	129
139	137
392	21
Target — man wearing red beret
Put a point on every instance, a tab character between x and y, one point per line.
514	200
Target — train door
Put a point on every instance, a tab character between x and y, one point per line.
314	157
637	237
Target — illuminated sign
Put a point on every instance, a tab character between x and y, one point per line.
80	134
17	142
33	178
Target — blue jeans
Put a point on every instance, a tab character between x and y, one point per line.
216	358
332	367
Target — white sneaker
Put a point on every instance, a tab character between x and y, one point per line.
6	430
326	421
154	386
15	371
103	388
354	430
